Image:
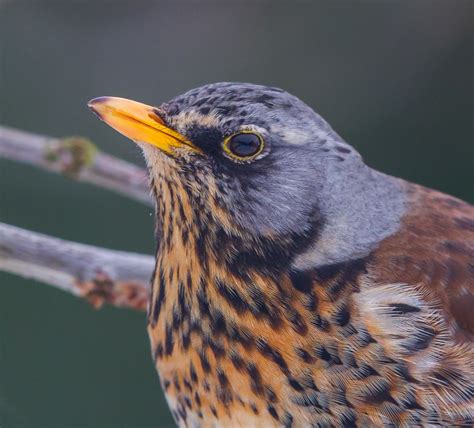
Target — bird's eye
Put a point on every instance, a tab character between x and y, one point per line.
244	145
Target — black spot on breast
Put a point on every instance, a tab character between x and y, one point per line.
304	355
295	384
186	339
320	323
306	400
189	281
218	323
260	308
348	418
364	338
422	339
201	248
322	353
176	415
342	316
272	412
378	393
232	296
176	383
184	235
182	303
203	303
223	380
409	401
401	369
296	321
192	373
308	382
287	420
160	299
403	308
241	335
187	384
182	412
237	360
348	358
169	341
270	394
158	351
204	362
216	347
197	399
364	371
256	384
272	354
176	318
311	301
302	280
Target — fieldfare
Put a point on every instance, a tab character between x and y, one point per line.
295	285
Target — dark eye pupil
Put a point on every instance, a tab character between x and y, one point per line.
245	144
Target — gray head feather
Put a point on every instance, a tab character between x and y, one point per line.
307	170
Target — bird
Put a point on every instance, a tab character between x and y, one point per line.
296	286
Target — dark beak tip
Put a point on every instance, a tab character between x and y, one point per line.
95	102
98	100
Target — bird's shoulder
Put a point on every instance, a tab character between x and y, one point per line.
416	299
433	255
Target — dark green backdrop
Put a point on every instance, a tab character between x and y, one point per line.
393	77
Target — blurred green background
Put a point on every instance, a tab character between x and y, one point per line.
393	77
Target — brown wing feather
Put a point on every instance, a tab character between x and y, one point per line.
418	301
435	249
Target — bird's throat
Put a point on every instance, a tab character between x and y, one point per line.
232	327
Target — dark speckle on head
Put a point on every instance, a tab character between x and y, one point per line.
287	168
243	103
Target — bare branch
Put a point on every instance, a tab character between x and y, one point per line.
100	275
77	158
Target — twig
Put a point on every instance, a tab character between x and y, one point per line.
76	158
100	275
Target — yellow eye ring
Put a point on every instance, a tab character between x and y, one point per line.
243	145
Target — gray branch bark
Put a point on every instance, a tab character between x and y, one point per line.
76	158
97	274
100	275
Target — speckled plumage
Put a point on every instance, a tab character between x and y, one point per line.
304	288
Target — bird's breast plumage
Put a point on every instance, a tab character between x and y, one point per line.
241	339
294	285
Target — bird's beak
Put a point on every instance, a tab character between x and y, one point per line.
139	122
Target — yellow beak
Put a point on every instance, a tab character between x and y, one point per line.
139	122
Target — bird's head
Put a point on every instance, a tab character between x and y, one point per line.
254	158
